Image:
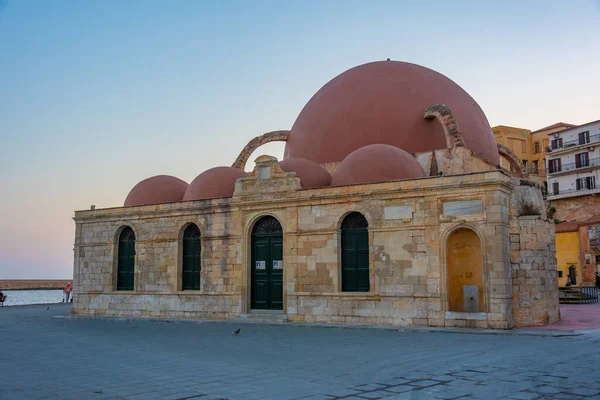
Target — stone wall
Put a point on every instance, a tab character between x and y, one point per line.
534	277
577	209
158	231
409	223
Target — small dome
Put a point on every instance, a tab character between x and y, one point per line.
311	175
384	102
155	190
214	183
377	163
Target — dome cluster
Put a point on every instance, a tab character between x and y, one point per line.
383	103
368	119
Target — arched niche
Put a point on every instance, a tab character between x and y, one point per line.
465	271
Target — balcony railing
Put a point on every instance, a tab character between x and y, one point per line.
569	191
532	170
573	143
594	162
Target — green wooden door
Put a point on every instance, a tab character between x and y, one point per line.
191	258
267	265
355	254
126	260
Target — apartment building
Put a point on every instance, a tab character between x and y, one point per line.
529	146
573	162
539	142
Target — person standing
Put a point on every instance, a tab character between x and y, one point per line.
67	291
598	280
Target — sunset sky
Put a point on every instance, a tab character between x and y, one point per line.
98	95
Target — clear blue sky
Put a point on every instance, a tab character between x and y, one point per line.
98	95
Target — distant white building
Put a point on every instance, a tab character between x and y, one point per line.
573	161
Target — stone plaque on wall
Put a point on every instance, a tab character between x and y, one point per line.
398	212
463	207
264	173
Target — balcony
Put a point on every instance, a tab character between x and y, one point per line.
572	193
536	171
573	143
594	162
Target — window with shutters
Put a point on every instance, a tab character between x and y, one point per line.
554	165
355	253
536	148
126	260
191	263
584	137
582	160
556	143
586	183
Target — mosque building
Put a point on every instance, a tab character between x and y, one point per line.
390	207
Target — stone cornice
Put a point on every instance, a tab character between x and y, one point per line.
408	189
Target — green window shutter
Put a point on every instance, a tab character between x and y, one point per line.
355	254
126	260
191	263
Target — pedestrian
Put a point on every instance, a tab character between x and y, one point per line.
598	280
568	280
67	291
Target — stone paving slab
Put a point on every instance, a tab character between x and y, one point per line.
81	358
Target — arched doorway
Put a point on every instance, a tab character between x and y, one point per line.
465	272
355	253
126	260
267	265
191	265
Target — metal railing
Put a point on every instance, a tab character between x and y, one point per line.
578	294
573	143
532	170
594	162
571	191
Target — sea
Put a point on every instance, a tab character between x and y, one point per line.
24	297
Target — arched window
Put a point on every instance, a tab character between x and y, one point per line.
355	253
126	261
191	258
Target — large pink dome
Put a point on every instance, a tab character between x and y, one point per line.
311	175
214	183
155	190
384	102
377	163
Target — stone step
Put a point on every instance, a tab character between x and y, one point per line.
266	317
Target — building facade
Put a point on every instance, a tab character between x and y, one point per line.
573	160
539	143
589	233
578	251
411	225
529	146
568	253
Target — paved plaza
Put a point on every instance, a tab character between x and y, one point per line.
46	354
